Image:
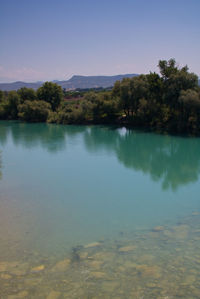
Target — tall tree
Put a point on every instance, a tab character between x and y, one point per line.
26	94
10	105
175	80
1	96
51	93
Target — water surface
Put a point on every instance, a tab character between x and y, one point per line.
132	196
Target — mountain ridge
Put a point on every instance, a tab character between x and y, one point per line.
76	81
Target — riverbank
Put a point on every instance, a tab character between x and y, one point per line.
165	102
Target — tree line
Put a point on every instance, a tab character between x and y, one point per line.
165	101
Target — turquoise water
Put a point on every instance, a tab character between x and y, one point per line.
67	186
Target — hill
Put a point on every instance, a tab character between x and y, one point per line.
73	83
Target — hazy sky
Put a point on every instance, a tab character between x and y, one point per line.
55	39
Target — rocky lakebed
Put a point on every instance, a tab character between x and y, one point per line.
162	263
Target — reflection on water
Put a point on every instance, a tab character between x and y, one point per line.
50	137
174	161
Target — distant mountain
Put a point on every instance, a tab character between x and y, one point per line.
19	84
73	83
93	81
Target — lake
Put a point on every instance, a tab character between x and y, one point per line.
98	212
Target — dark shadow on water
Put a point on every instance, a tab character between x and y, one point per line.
174	161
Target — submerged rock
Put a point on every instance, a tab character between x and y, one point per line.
95	244
127	248
3	266
158	228
96	264
110	286
33	282
61	266
103	256
5	276
151	285
180	231
83	255
9	266
38	268
195	213
189	280
53	295
149	271
22	294
18	269
97	275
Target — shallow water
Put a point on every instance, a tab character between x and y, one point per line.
98	212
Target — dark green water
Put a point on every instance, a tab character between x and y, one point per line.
98	212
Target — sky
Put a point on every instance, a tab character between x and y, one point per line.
55	39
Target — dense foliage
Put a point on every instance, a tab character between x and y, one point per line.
169	101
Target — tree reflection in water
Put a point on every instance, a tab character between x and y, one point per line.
174	161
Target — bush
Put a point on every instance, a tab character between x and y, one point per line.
34	111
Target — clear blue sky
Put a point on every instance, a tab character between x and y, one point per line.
55	39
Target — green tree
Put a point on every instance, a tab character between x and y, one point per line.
9	106
175	80
34	111
125	96
155	87
26	94
1	96
51	93
116	89
167	68
138	91
190	99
